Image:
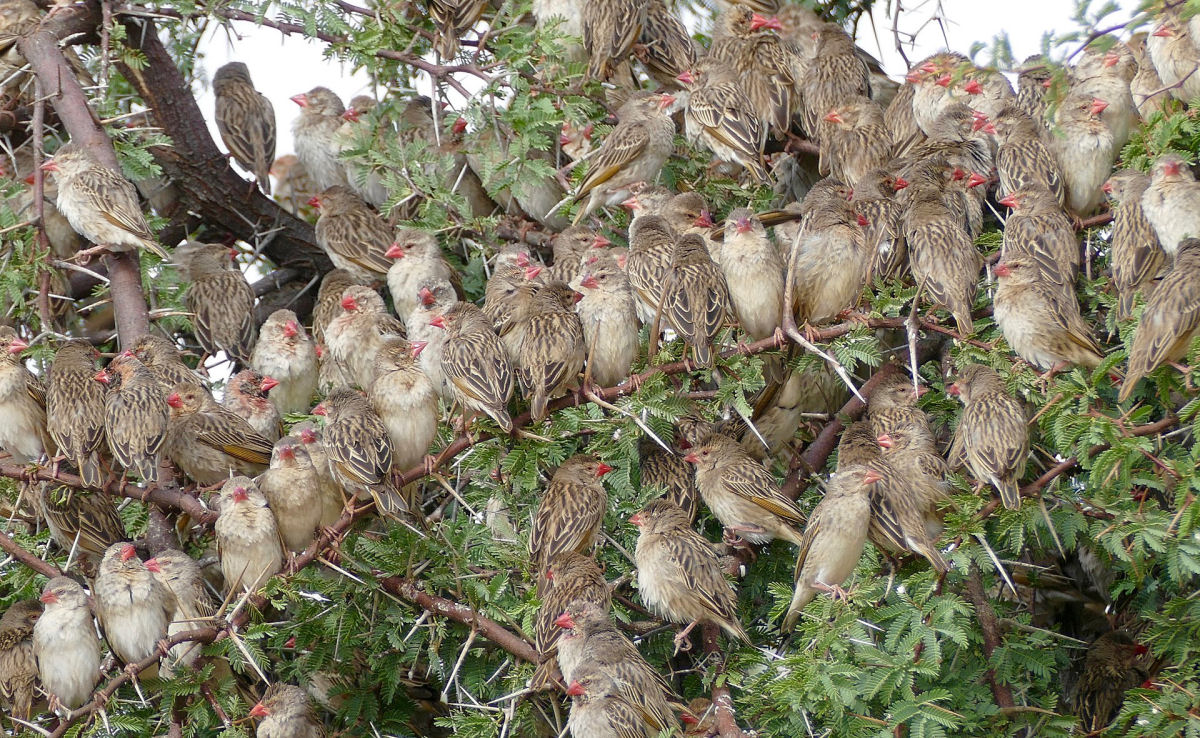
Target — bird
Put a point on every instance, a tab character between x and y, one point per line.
901	520
742	493
665	46
65	644
246	121
136	415
1085	151
1137	256
220	299
209	443
610	29
1170	320
695	298
417	260
854	140
598	709
992	431
1169	202
1110	668
306	435
1035	77
316	137
405	400
164	362
354	237
1105	70
285	353
550	345
131	605
608	316
833	538
893	406
1022	157
360	450
436	298
1038	230
285	711
85	521
75	408
247	395
453	18
634	151
651	246
363	131
943	259
1146	86
570	515
294	187
835	74
679	575
667	472
475	363
355	337
193	608
827	263
292	488
721	118
101	205
570	579
248	541
1041	324
770	67
23	432
1174	55
18	664
874	199
754	274
329	300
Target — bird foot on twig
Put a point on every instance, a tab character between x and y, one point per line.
835	591
682	642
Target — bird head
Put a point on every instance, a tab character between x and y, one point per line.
686	77
743	224
703	220
291	329
259	711
576	689
315	202
301	100
127	552
287	452
1098	106
174	400
269	383
899	183
972	87
349	303
565	622
240	495
637	519
953	389
425	295
351	114
602	469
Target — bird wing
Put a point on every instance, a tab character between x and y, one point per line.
726	115
568	518
752	482
366	457
478	367
691	556
114	197
1171	317
625	144
232	435
988	445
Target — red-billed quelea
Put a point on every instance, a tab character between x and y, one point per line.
695	298
18	665
361	131
992	431
22	403
1174	53
827	265
285	353
833	538
293	491
192	606
753	270
131	605
101	205
633	152
651	244
679	574
742	493
81	520
598	709
835	74
569	579
893	407
405	400
610	29
354	337
550	347
1105	71
161	357
1022	158
609	320
1171	318
854	140
246	121
316	136
1085	150
354	237
75	408
285	711
721	118
247	537
1137	256
1110	668
435	299
571	512
1146	86
667	472
475	363
943	259
247	395
209	443
665	46
135	415
1172	202
417	260
329	300
65	644
220	300
1038	230
360	450
333	501
874	199
1041	324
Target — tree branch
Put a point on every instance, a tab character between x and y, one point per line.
14	549
1001	693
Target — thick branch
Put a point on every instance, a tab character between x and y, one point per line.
1001	693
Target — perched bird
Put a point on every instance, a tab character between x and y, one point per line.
354	237
836	73
161	357
1137	256
209	443
827	263
18	664
666	471
679	575
136	415
476	366
329	300
294	186
610	29
695	297
193	607
1085	151
987	91
665	46
436	298
901	520
633	152
893	407
1022	157
285	353
1040	323
75	409
285	711
418	260
1174	54
101	205
65	644
131	605
293	491
360	449
598	709
569	580
944	261
247	537
246	121
220	299
355	337
23	400
651	246
833	538
1038	230
571	512
771	67
753	270
506	299
742	493
1034	79
316	137
1109	670
721	118
405	400
1170	320
609	319
854	140
1105	70
248	396
992	431
360	130
1146	86
1170	202
874	199
82	520
550	345
332	499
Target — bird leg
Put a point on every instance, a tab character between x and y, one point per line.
730	538
1185	371
682	637
833	590
810	333
83	256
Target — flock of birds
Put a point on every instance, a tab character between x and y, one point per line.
900	193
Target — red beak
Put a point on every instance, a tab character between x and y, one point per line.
17	346
833	117
269	383
460	125
152	565
314	201
973	87
1098	106
349	303
522	259
958	174
885	441
28	180
976	179
47	166
862	220
301	100
686	78
899	184
602	469
174	400
575	690
319	409
259	711
416	347
600	242
1106	188
48	598
952	389
665	101
239	494
531	273
564	621
742	225
291	329
913	77
871	477
703	220
590	282
437	321
757	21
1002	270
351	115
1163	32
101	376
1008	201
980	123
395	251
1171	168
692	458
1111	59
127	552
426	296
636	519
944	80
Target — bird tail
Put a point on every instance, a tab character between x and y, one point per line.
735	630
146	467
929	551
263	175
158	250
389	501
545	676
537	404
502	418
89	471
1010	494
800	599
758	170
703	354
1129	385
962	318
